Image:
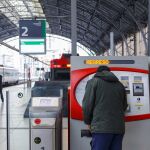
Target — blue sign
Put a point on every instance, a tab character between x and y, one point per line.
32	29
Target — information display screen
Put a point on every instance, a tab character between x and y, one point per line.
96	62
32	36
106	62
45	102
138	89
49	102
32	46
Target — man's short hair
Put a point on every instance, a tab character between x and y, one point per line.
103	68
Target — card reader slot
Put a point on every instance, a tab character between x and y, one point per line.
86	133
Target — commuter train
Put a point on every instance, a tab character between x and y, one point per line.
9	75
60	68
59	80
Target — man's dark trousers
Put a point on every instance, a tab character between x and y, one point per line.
106	141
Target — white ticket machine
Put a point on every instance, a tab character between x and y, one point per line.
45	123
133	72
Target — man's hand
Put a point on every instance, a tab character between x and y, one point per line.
89	127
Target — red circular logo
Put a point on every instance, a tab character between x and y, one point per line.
37	121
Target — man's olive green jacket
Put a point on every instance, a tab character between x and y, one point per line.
104	104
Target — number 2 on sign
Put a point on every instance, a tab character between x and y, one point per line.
25	32
42	148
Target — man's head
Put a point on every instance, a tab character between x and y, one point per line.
103	68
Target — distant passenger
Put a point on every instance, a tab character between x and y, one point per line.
43	75
29	74
1	88
47	76
104	104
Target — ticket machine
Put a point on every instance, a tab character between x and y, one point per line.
46	123
133	72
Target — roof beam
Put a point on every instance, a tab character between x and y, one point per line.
91	18
9	29
136	22
17	50
58	12
87	8
111	24
48	5
28	8
10	9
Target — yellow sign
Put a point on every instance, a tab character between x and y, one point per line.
139	105
97	62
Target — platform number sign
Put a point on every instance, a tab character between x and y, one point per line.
25	32
32	36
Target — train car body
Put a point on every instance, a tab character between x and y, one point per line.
60	68
10	75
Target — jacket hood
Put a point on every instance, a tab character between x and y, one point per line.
106	76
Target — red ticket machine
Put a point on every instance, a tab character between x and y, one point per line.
134	74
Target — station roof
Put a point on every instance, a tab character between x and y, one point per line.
95	19
13	10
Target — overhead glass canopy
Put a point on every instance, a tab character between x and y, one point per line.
17	9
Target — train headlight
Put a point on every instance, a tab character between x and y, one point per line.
68	65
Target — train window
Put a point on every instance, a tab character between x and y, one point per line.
7	73
66	55
62	75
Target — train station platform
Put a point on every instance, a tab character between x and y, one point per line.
59	44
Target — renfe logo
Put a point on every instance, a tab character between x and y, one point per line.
37	121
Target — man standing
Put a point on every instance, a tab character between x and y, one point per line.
1	88
104	104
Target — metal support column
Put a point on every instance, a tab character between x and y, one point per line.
8	120
112	47
122	48
74	26
148	53
135	45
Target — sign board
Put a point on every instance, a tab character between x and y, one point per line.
32	35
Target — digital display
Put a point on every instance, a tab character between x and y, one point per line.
138	89
45	102
97	62
49	102
137	79
106	62
32	46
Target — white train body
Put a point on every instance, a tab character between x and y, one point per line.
10	75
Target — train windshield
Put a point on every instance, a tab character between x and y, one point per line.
62	75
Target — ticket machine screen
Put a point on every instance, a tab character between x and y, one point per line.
138	89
